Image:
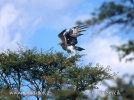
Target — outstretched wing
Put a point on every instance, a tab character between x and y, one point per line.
60	35
73	33
78	29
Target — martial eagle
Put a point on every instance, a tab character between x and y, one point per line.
69	39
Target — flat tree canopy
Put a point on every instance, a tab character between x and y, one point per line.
47	74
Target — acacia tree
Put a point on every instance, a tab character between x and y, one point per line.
111	13
48	74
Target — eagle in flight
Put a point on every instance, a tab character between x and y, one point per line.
69	39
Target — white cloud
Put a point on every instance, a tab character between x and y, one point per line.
52	13
15	26
56	4
99	50
8	16
46	4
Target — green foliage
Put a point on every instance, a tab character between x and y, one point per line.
115	12
126	50
48	74
110	9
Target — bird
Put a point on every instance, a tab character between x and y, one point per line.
66	38
69	39
67	43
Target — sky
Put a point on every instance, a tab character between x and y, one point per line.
36	23
30	22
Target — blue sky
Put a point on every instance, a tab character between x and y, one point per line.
36	23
